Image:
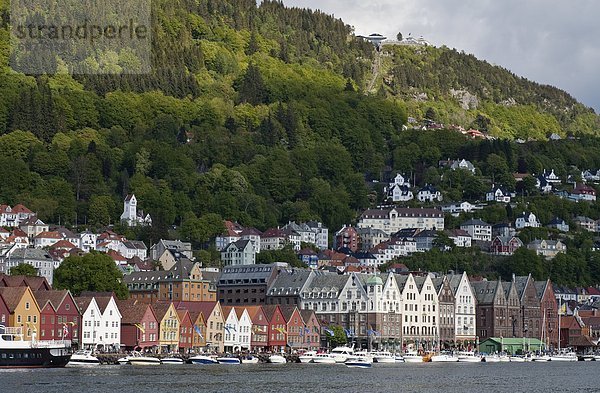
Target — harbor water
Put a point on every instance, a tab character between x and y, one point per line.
306	378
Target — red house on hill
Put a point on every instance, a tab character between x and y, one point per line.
60	317
277	340
139	326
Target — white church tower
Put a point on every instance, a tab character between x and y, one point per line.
130	214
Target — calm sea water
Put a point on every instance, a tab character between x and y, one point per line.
546	377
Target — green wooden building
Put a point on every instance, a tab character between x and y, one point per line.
510	345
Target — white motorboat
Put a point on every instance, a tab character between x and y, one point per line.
540	358
83	358
444	357
123	361
564	356
172	360
412	357
341	354
228	360
323	358
249	359
469	357
492	358
277	359
383	357
597	358
307	356
359	362
203	359
399	358
140	360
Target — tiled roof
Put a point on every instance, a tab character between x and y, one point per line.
12	296
132	311
55	297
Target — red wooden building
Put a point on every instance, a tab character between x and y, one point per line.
294	328
60	317
186	331
312	330
139	325
277	340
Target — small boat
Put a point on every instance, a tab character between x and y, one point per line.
138	359
307	356
228	360
564	356
277	359
203	359
399	358
412	357
249	359
123	361
444	357
323	358
597	358
469	357
172	360
359	362
588	358
83	358
341	354
540	358
383	357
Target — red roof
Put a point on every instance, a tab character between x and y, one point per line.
65	244
49	235
116	256
19	233
21	209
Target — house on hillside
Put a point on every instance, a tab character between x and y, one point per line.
502	245
429	194
527	220
499	194
131	216
547	248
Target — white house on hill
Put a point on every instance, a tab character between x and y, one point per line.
130	214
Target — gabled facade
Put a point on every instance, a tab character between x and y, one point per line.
465	307
23	310
527	220
531	321
91	318
260	328
547	248
312	330
504	245
169	326
245	328
59	315
185	281
548	312
231	330
491	317
139	325
498	194
446	303
294	327
429	194
241	252
214	318
186	331
277	340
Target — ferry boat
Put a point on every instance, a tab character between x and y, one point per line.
16	352
203	359
83	358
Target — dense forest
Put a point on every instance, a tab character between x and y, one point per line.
259	114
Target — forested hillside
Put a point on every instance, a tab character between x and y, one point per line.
256	114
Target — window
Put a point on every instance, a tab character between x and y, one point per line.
27	305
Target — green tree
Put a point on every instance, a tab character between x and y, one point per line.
92	272
252	87
23	269
339	337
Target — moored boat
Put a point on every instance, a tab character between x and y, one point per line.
444	357
249	359
564	356
203	359
137	359
469	357
228	360
307	356
540	358
277	359
341	354
412	357
359	362
16	352
323	358
383	357
83	358
172	360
